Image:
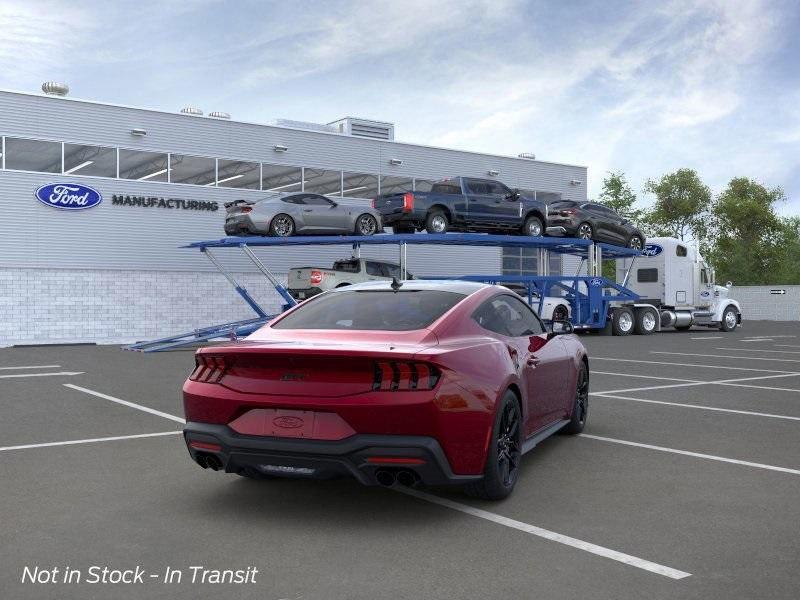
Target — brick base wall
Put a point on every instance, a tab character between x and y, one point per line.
103	306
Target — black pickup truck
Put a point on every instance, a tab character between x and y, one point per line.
463	204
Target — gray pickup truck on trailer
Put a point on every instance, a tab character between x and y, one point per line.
464	204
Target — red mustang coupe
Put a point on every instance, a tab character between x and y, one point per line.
431	382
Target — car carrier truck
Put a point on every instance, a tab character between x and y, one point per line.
676	289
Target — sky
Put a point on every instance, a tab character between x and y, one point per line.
639	87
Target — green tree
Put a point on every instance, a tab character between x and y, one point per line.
750	240
681	206
618	196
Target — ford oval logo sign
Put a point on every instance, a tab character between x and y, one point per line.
595	282
652	250
68	196
287	422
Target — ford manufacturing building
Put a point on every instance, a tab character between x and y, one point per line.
115	272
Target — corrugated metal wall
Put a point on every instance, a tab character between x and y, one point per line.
126	237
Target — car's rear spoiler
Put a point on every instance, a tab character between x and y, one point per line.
236	203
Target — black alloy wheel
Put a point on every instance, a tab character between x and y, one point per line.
560	313
580	409
505	453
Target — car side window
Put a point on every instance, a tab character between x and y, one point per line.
477	187
315	200
498	189
393	270
299	199
374	268
509	316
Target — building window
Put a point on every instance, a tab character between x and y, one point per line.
647	275
97	161
278	178
396	185
143	166
238	174
33	155
321	181
359	185
195	170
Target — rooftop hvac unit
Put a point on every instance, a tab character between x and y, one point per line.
219	115
527	155
191	110
376	130
53	88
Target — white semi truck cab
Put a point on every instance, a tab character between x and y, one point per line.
676	289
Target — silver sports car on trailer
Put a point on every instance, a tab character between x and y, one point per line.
301	213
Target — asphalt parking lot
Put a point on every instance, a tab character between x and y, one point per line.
685	484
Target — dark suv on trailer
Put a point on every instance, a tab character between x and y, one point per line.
593	221
464	204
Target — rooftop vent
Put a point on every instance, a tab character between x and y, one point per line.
376	130
53	88
219	115
191	110
527	155
308	126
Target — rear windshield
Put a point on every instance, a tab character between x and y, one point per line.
563	204
373	310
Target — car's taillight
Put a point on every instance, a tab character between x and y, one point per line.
568	212
408	202
394	376
316	277
374	200
208	368
246	209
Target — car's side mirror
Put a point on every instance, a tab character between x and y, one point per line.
334	204
559	327
729	284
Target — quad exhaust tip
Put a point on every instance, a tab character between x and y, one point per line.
388	478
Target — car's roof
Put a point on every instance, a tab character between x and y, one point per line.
444	285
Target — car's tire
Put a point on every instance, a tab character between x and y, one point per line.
584	231
683	328
504	455
622	321
645	322
250	473
730	319
403	229
636	242
560	313
282	225
366	225
580	407
533	227
436	221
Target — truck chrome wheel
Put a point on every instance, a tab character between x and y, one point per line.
585	231
635	243
729	320
625	322
439	223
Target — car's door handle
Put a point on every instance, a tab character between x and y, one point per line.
307	210
534	361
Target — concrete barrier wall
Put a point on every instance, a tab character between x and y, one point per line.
759	302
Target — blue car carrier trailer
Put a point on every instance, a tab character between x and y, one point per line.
591	297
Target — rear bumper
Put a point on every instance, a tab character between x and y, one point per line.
317	459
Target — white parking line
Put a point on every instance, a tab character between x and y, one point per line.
674	364
643	376
757	340
146	409
759	350
726	356
19	375
31	367
89	441
765	337
627	559
694	454
787	346
733	382
698	406
708	337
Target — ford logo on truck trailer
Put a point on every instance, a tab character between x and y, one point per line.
68	196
